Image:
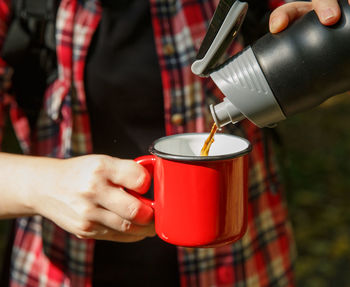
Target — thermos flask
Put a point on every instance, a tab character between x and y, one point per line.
280	74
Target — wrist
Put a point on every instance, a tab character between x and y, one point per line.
23	180
41	181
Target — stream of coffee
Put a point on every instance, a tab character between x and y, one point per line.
206	147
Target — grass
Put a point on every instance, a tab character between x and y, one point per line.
314	158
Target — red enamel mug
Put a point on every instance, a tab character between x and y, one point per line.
199	201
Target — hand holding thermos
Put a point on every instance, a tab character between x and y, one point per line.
280	74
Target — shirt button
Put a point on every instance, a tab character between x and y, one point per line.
168	49
177	119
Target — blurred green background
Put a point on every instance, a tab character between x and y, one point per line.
314	158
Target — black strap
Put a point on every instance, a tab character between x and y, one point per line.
32	29
30	48
9	226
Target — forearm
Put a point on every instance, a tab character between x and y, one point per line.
21	177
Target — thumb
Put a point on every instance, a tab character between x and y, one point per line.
129	174
328	11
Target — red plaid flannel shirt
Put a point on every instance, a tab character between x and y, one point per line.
44	254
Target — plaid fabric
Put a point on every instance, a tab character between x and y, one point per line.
45	255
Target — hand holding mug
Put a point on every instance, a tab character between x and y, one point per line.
86	196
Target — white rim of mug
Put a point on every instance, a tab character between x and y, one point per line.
170	156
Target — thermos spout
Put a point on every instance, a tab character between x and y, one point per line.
225	113
247	93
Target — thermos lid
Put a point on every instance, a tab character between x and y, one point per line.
223	29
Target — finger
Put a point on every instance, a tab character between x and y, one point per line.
282	16
96	231
128	207
129	174
119	237
328	11
113	222
113	236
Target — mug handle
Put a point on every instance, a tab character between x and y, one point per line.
147	161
